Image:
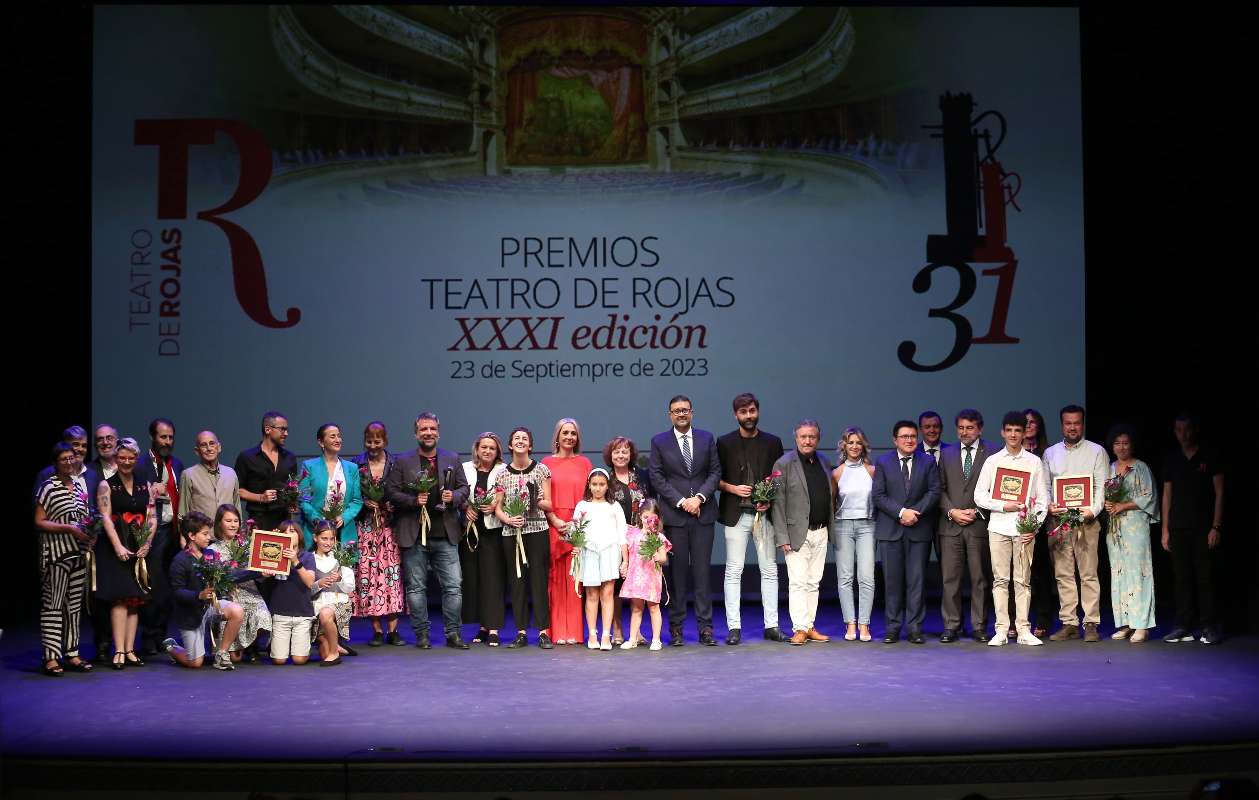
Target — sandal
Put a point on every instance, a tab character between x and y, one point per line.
53	671
119	662
133	660
491	639
617	641
481	636
78	665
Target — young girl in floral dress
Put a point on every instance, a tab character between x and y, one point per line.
643	577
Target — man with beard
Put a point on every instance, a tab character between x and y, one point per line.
264	470
747	456
161	470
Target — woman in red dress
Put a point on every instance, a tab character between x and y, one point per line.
569	470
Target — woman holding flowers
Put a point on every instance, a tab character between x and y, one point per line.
630	487
231	543
522	499
60	517
329	486
480	553
854	531
378	587
569	469
1132	506
129	524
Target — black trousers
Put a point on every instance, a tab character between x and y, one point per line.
155	614
532	583
689	567
483	577
1193	562
904	565
1044	611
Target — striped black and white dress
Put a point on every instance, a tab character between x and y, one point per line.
62	569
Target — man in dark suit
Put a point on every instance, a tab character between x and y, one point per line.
161	470
747	456
906	489
438	545
684	471
962	535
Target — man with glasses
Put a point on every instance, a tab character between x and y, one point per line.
106	438
264	470
685	470
207	485
906	491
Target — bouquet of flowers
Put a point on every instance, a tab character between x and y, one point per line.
136	530
1069	520
372	489
516	504
651	544
764	491
238	546
1116	492
1028	521
481	501
422	485
334	505
347	554
216	574
290	494
575	535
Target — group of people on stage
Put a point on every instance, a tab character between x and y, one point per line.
129	534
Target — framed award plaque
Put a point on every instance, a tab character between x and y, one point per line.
266	552
1011	485
1073	491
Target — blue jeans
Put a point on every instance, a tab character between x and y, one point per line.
766	557
854	547
444	559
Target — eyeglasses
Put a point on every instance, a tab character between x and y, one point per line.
908	436
278	427
679	412
106	438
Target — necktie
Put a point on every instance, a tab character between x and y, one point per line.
905	471
932	451
967	464
686	452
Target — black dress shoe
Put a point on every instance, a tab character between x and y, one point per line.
892	637
423	643
544	641
774	635
734	636
395	638
456	642
979	636
349	651
377	639
334	662
948	636
675	639
706	637
521	640
915	637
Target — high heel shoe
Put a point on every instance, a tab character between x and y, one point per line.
133	660
119	661
865	633
606	644
850	635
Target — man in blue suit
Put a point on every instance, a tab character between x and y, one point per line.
906	491
684	471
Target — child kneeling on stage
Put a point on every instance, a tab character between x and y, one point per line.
196	606
292	609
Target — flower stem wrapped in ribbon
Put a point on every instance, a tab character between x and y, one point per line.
764	492
516	504
1028	521
575	535
138	531
482	501
373	489
422	485
93	526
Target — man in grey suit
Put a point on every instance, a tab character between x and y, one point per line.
905	490
962	536
800	516
439	545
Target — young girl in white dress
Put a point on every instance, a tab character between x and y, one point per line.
603	559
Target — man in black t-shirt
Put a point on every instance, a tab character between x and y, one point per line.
1193	506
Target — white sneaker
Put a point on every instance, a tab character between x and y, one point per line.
999	639
655	645
606	644
1026	637
592	644
629	644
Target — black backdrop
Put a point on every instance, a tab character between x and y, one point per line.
1163	147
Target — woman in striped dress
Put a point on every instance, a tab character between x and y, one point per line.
62	508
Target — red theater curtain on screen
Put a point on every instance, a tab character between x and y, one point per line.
605	52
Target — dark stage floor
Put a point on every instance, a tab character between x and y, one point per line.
759	699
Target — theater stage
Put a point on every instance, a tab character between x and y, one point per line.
760	700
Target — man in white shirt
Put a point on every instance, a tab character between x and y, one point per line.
1077	550
1011	551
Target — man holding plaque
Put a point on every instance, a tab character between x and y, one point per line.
906	491
1077	467
428	490
1012	481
